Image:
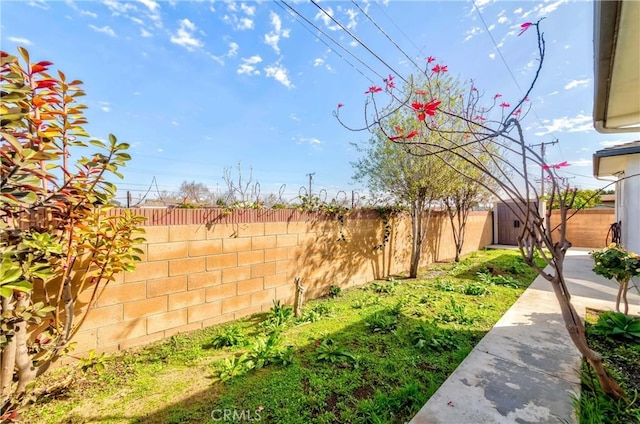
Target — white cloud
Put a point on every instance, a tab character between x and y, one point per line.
272	38
233	49
318	62
279	73
481	4
175	123
104	106
20	40
326	19
546	10
492	55
612	143
492	27
247	66
117	7
240	23
88	13
249	10
294	117
580	123
352	14
553	93
581	162
136	20
245	23
145	33
518	11
529	66
105	30
38	3
151	4
309	140
577	83
503	20
160	150
472	33
184	37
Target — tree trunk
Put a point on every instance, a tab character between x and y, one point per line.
576	330
622	295
417	212
7	359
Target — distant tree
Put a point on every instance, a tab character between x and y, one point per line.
408	178
583	199
242	191
194	193
466	185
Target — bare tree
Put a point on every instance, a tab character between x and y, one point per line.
241	191
192	192
513	173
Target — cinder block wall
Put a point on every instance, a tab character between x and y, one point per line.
586	228
205	267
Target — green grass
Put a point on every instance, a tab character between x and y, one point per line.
372	354
622	360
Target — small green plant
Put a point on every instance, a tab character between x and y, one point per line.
617	324
334	291
396	309
455	312
388	287
382	322
486	278
429	336
475	289
233	367
329	351
445	285
278	316
229	336
316	313
92	362
264	351
358	304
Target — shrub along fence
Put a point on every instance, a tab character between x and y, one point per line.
203	267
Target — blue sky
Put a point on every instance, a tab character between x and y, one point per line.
199	86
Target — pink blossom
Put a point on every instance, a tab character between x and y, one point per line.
525	26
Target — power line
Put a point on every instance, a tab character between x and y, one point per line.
332	39
386	35
504	61
345	29
399	28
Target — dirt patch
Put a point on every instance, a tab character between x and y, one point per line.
363	392
332	402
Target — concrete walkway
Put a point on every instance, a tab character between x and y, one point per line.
526	368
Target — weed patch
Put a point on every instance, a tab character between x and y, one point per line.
370	354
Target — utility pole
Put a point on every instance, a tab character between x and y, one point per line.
543	150
310	175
